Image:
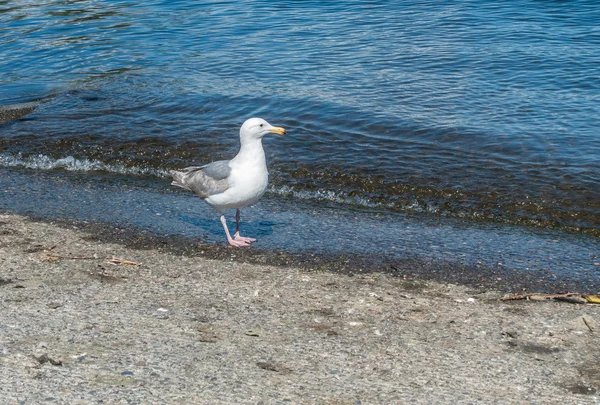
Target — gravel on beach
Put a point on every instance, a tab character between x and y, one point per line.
157	327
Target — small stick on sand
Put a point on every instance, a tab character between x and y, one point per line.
587	324
540	296
117	260
71	257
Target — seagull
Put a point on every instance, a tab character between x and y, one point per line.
235	183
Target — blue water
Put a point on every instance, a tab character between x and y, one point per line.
486	113
477	110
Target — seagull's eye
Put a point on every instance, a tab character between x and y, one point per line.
262	125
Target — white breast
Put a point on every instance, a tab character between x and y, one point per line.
247	183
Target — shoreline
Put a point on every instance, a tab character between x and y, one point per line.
478	276
508	259
180	328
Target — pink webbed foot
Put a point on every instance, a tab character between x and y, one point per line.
237	240
237	237
238	243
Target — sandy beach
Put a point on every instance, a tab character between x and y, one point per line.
165	327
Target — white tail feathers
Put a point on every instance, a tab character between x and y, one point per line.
179	179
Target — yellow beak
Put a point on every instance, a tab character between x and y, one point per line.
277	130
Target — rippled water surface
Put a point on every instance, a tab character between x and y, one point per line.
476	110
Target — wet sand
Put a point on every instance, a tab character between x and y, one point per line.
211	325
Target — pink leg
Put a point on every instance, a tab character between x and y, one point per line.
230	240
237	230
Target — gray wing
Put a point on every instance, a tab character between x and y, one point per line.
204	180
218	170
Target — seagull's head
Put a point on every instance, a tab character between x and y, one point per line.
256	128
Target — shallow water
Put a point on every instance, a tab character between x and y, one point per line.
546	259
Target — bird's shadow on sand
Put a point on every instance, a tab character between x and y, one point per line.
254	229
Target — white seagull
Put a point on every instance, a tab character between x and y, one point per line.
234	183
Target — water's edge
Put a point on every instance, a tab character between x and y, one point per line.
313	237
